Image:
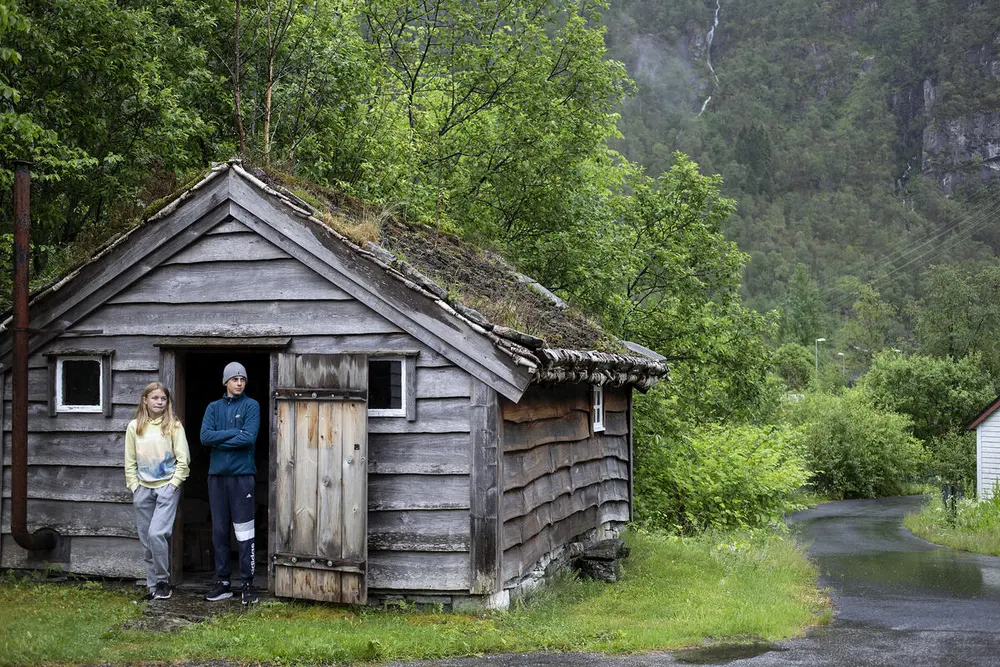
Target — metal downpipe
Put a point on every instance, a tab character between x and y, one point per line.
44	539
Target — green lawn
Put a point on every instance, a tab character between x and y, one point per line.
974	526
675	593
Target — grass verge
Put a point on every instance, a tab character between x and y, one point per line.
973	526
675	592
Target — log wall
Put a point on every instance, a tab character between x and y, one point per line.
559	478
234	283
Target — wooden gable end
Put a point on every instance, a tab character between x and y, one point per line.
302	279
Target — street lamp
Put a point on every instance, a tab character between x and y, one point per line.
818	341
843	373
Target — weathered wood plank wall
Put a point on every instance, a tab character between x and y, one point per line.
560	479
419	493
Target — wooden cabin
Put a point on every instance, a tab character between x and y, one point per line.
410	445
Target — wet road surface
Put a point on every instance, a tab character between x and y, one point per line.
899	602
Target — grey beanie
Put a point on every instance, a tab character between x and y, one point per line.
233	369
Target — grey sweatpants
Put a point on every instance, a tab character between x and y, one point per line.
155	510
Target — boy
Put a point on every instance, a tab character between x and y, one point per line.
230	429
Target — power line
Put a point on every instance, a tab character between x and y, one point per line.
976	221
929	238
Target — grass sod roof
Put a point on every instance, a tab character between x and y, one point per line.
531	325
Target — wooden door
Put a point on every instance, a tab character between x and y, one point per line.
321	494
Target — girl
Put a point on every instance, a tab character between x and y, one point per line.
157	461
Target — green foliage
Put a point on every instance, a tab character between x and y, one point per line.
854	448
939	395
952	459
795	364
872	325
802	311
816	122
713	476
959	308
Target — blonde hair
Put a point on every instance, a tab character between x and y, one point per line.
142	417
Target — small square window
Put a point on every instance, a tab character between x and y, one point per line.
386	388
598	407
79	383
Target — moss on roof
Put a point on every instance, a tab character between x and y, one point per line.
478	278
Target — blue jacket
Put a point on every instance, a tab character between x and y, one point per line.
230	429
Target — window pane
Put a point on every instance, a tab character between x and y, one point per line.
81	382
385	385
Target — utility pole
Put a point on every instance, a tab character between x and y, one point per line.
818	341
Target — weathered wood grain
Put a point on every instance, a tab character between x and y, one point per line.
308	584
419	530
229	227
101	556
540	403
222	282
127	386
355	476
419	453
524	466
250	318
72	483
329	510
40	422
228	248
572	426
72	449
362	343
303	534
523	527
132	353
517	502
484	512
408	570
434	415
418	492
444	382
324	371
284	483
77	518
616	423
617	399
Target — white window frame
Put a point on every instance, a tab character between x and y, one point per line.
597	407
401	410
101	398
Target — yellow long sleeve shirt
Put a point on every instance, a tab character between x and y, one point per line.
153	459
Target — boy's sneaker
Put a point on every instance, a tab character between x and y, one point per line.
220	591
250	594
162	591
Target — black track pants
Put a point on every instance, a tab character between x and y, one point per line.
231	499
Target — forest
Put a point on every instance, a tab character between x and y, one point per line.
758	207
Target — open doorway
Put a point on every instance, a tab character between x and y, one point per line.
199	373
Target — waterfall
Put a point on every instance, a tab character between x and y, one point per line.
708	54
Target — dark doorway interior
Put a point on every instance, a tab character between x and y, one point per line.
202	384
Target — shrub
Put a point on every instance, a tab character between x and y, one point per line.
794	364
855	449
951	459
940	395
692	478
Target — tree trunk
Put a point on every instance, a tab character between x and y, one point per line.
238	111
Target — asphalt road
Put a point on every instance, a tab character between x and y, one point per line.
899	602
